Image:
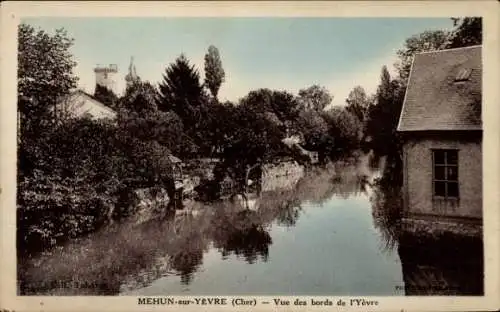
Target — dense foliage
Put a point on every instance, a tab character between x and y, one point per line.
105	96
45	73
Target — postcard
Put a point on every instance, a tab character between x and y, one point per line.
267	156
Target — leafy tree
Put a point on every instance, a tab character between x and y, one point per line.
344	127
423	42
214	73
140	97
280	103
314	98
467	31
45	74
166	128
384	114
105	95
314	129
249	140
358	102
219	126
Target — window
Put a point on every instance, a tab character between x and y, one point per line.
445	173
463	75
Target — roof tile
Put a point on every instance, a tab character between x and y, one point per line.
435	100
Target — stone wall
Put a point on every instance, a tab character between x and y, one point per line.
436	228
281	175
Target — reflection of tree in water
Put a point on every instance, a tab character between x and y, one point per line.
341	179
186	255
288	213
387	202
282	206
444	265
243	234
347	185
186	262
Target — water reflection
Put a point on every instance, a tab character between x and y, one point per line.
445	266
131	256
177	246
244	235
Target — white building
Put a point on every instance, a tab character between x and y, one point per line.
79	103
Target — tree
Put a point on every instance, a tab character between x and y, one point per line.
214	73
140	97
315	98
45	74
358	102
344	127
105	95
182	93
468	31
423	42
181	90
280	103
314	129
384	114
250	140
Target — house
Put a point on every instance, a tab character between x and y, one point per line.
79	103
441	127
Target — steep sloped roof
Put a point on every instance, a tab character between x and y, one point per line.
444	91
79	103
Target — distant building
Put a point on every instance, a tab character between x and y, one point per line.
442	131
105	76
132	76
79	103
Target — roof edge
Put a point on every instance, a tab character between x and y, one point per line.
94	99
470	129
447	50
406	94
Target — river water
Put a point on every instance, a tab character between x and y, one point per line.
322	234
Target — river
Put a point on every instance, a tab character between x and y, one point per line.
325	233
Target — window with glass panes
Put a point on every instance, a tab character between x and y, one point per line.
445	173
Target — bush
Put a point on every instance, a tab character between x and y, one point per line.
52	209
73	176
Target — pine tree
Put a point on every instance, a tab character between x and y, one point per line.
181	91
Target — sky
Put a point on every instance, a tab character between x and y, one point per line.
276	53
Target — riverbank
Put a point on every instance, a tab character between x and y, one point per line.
156	244
96	264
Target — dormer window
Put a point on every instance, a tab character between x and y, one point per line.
463	75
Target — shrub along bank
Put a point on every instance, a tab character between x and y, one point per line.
77	175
